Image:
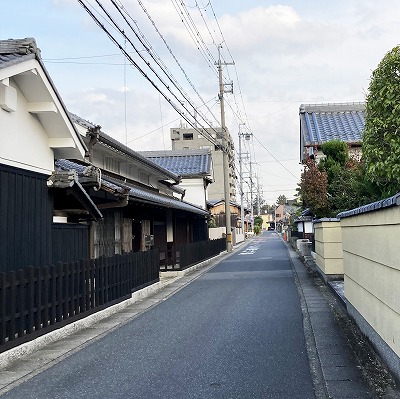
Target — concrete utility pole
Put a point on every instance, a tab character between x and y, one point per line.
241	182
258	196
251	196
247	137
225	149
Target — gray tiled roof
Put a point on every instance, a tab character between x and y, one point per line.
385	203
320	123
7	60
116	145
14	51
186	163
140	194
214	202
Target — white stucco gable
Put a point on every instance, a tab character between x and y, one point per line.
35	127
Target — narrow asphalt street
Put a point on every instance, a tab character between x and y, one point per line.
237	331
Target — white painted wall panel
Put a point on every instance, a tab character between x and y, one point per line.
23	141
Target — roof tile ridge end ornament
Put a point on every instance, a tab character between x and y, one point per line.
20	46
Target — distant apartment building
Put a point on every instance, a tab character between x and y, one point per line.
191	139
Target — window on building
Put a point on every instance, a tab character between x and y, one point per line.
187	136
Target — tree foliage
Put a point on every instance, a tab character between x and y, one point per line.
338	183
265	208
313	188
281	200
381	137
257	201
347	187
258	220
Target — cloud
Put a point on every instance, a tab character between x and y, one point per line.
284	55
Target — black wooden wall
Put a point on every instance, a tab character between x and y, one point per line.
70	242
26	214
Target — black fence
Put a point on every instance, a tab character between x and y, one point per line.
70	242
186	255
37	300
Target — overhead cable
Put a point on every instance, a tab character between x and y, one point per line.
146	76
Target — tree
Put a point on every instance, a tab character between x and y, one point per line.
338	183
346	187
257	227
341	175
281	200
265	208
258	220
258	200
313	189
381	136
336	156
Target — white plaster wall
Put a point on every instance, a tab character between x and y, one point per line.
300	227
239	236
23	141
195	192
308	227
216	232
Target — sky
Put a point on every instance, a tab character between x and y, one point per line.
278	54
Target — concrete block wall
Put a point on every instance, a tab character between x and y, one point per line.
328	248
371	259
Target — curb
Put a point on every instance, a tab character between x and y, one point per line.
166	278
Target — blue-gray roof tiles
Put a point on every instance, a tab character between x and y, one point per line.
140	194
374	206
14	51
116	145
183	163
7	60
327	122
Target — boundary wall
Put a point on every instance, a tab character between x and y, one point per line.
371	263
328	249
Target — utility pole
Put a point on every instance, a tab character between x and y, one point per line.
251	196
225	149
258	196
247	137
241	182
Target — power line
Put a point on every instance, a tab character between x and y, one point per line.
173	55
205	22
153	55
82	57
143	73
194	33
276	159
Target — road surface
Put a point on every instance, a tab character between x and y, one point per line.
236	332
